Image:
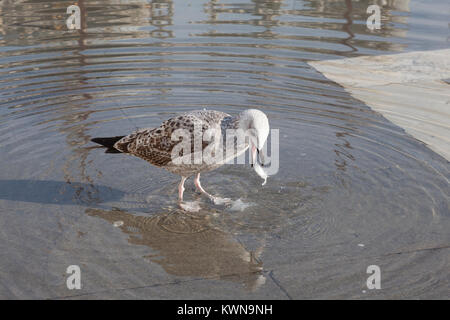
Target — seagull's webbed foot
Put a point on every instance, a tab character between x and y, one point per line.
219	200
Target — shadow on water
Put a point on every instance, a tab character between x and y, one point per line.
189	245
56	192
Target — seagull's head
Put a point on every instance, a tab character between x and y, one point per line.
256	125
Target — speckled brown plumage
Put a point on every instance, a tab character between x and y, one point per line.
156	145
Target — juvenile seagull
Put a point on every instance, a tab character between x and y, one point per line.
159	145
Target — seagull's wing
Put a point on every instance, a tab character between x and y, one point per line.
155	145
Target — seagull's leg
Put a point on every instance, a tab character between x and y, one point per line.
216	200
199	186
186	206
181	188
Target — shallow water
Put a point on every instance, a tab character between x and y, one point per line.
352	189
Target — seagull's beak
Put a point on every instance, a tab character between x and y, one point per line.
254	151
262	157
260	153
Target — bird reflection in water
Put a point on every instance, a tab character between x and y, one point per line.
189	245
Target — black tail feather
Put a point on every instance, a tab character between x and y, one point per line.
108	143
112	150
